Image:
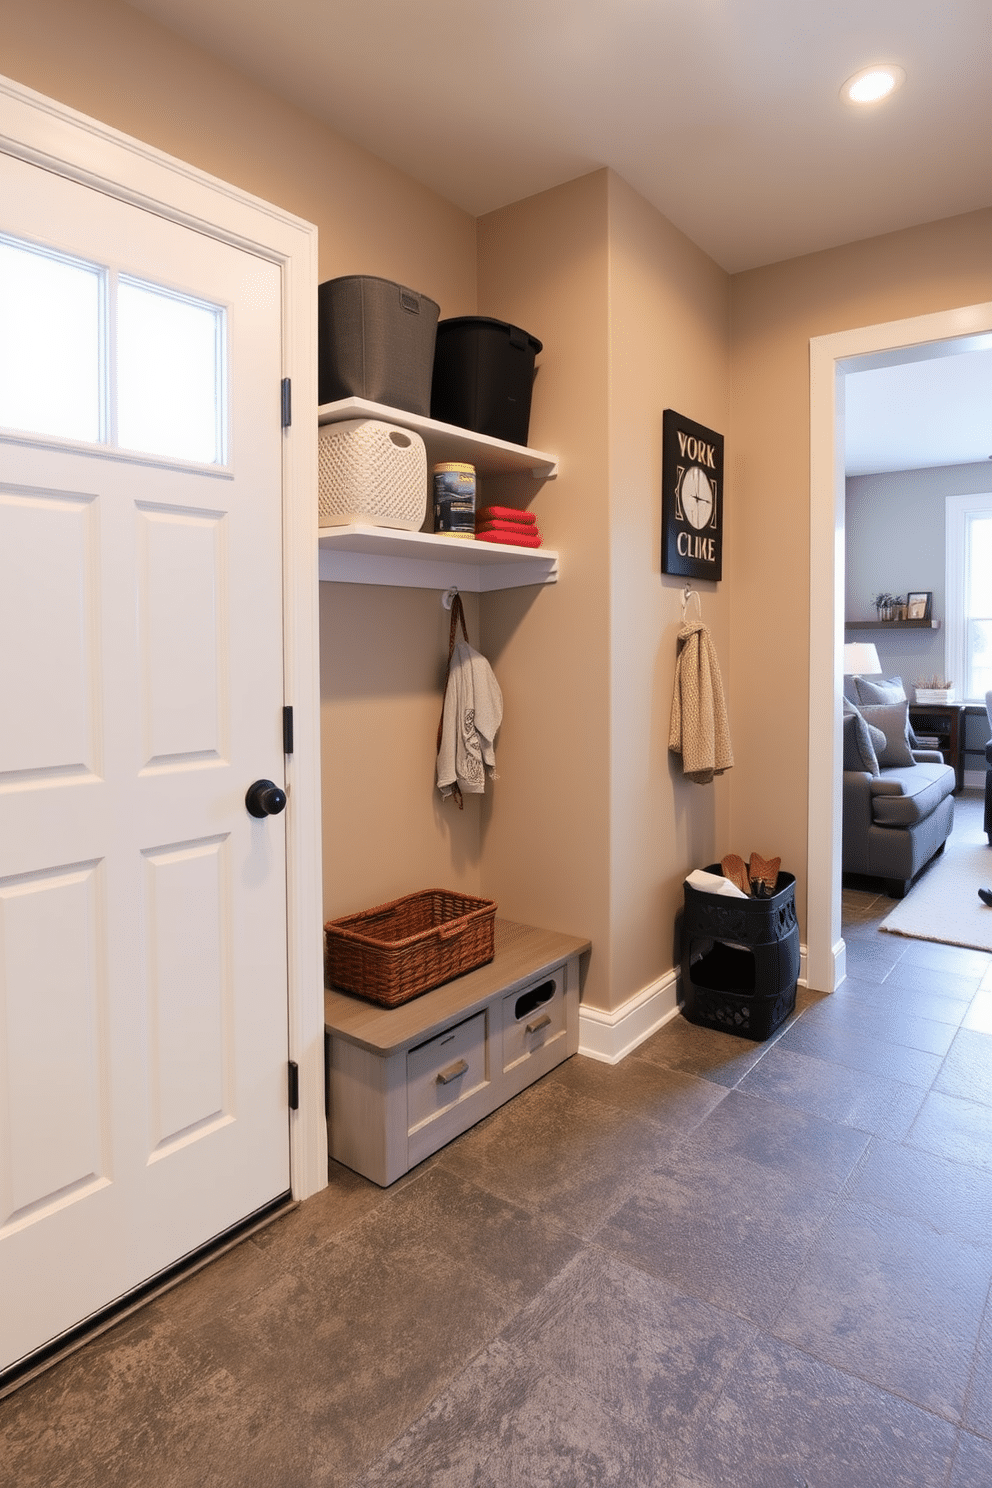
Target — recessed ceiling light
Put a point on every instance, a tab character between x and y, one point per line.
872	84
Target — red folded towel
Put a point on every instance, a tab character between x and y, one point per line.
488	524
505	514
514	532
521	539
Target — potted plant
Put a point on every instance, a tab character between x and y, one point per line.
883	606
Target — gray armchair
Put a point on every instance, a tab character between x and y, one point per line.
898	800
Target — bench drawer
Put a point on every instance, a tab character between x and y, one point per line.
445	1071
533	1018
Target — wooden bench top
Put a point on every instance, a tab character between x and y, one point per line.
523	952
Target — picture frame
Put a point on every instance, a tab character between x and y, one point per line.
919	604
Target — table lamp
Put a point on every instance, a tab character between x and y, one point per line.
860	658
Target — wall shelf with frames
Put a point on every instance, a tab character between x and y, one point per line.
891	624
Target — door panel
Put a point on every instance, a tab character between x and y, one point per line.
55	1010
143	982
183	646
190	1006
52	727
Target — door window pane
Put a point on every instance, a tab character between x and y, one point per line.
51	362
170	374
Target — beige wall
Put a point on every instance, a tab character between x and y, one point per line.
775	311
592	826
543	266
669	348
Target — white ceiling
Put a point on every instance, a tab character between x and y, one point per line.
922	413
725	114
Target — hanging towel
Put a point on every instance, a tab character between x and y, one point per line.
473	712
699	730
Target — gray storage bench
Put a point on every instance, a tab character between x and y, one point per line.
404	1081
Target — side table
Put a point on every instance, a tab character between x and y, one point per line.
945	722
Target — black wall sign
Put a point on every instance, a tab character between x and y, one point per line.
692	499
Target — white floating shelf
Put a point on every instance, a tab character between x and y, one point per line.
361	554
448	441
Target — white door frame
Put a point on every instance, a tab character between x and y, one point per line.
47	133
830	357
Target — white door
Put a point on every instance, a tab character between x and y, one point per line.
143	982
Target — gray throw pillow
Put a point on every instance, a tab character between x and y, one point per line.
877	738
880	689
883	690
893	720
859	753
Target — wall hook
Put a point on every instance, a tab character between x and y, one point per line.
687	594
448	597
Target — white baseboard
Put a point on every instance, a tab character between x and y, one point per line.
610	1037
974	779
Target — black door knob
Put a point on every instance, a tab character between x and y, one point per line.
265	798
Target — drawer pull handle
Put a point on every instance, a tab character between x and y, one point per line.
539	1023
452	1072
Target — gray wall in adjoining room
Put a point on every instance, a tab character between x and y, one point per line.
895	542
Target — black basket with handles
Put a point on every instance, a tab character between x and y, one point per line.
483	376
740	959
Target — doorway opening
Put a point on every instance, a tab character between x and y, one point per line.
832	357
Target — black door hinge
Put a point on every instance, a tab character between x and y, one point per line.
294	1085
287	402
287	730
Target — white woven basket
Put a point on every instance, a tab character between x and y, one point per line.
368	471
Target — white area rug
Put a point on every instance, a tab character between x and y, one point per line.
944	904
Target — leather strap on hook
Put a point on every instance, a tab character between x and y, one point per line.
457	614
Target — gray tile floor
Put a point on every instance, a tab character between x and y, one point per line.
716	1265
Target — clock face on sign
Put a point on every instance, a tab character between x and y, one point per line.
697	497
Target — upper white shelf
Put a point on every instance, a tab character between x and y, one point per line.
363	554
448	441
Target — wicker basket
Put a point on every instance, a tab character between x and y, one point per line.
394	952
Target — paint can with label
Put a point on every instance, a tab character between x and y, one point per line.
454	499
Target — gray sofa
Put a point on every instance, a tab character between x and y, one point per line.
898	799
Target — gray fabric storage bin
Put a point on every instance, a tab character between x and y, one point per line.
375	340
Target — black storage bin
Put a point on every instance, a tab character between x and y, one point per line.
484	376
740	959
375	340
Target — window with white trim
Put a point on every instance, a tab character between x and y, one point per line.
968	638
